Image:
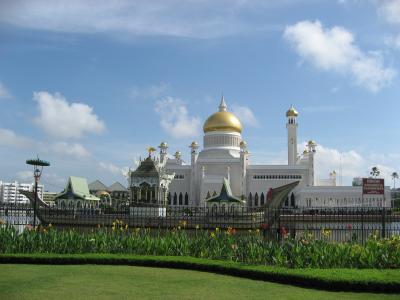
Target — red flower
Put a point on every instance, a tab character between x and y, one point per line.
349	226
283	231
264	226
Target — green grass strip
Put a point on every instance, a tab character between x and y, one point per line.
372	280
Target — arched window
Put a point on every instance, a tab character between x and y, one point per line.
175	199
256	199
262	199
180	199
287	201
250	199
169	198
186	199
292	200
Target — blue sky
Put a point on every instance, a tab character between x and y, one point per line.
89	85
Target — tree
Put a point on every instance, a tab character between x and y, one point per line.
375	172
395	176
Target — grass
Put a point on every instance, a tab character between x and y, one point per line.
333	279
127	282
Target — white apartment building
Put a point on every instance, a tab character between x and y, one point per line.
9	192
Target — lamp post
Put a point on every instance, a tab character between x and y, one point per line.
38	165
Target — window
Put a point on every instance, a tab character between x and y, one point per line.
262	199
256	199
186	199
250	200
175	199
180	199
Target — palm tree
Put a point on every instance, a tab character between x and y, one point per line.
395	176
375	172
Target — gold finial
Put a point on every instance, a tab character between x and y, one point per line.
150	150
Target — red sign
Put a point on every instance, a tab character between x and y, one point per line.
373	186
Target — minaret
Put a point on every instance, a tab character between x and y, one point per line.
291	126
194	146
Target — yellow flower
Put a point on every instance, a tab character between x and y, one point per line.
258	230
126	226
249	230
212	234
217	229
50	225
197	227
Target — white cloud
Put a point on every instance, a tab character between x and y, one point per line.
61	119
333	49
175	119
149	92
352	164
24	176
245	115
393	41
157	17
109	167
10	139
389	10
74	149
4	92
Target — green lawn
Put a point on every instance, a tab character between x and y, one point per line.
128	282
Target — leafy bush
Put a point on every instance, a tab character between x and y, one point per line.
251	248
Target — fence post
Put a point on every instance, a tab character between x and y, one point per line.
383	223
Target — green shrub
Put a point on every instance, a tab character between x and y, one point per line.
250	248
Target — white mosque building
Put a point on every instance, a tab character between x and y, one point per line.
224	157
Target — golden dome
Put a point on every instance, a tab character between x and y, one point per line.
292	112
222	121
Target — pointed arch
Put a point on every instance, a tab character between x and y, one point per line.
262	199
186	199
250	199
180	199
256	199
175	198
292	200
287	201
169	198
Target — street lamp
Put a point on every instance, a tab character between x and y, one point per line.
38	165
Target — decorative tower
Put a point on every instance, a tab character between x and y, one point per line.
194	146
243	164
291	126
163	152
311	145
178	157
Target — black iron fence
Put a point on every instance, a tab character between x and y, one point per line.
336	224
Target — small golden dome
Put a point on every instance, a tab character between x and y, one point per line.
222	121
163	145
311	142
194	144
292	112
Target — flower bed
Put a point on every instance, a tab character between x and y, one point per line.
250	248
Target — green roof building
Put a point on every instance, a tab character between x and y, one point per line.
76	195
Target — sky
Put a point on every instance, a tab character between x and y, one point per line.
89	85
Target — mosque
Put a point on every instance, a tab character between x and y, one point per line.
223	162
